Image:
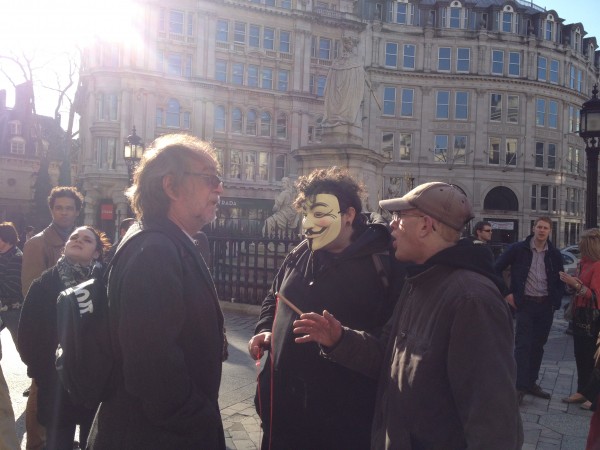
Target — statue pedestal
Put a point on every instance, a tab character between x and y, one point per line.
342	134
364	164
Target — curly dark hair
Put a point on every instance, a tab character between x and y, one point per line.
335	181
65	191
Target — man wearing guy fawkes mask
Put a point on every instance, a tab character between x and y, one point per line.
344	265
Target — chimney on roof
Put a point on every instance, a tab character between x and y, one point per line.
24	97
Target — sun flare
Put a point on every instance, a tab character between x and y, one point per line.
48	27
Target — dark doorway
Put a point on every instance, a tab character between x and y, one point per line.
501	198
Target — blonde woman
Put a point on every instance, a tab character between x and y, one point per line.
584	284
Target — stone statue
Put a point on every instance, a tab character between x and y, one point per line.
284	215
345	87
394	189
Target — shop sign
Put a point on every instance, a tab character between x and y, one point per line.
106	211
502	225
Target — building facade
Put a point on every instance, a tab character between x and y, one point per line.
29	143
483	94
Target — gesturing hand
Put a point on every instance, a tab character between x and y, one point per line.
325	330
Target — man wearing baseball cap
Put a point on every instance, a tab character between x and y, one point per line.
444	361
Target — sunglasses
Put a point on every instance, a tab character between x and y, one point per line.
214	181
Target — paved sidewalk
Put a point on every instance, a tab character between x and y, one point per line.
552	424
548	424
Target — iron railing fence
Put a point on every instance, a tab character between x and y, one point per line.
243	268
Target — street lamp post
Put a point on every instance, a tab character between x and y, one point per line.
132	153
589	130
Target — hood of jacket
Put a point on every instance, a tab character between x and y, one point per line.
464	255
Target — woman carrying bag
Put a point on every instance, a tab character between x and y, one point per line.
585	311
38	337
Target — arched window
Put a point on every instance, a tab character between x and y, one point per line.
265	124
549	28
282	126
508	20
577	40
236	120
220	122
173	113
501	198
251	123
456	16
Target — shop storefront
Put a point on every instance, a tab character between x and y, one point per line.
240	217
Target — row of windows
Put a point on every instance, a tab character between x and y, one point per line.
263	77
450	105
504	63
502	151
249	165
241	165
173	116
176	22
254	36
251	123
251	75
546	113
456	16
286	4
18	143
408	55
174	63
546	158
455	105
544	198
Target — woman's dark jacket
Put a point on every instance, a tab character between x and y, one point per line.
166	327
519	256
318	404
37	342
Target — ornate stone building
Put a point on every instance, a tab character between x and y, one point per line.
484	94
25	139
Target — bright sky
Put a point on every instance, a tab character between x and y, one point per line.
49	31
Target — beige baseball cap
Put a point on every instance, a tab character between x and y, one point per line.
442	201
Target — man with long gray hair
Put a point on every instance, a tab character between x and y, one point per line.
166	325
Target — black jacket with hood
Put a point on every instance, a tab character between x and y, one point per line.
318	404
445	361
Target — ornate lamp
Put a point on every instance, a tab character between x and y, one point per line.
589	130
132	152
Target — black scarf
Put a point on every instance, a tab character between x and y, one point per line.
71	274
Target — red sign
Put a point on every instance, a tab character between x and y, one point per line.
106	211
